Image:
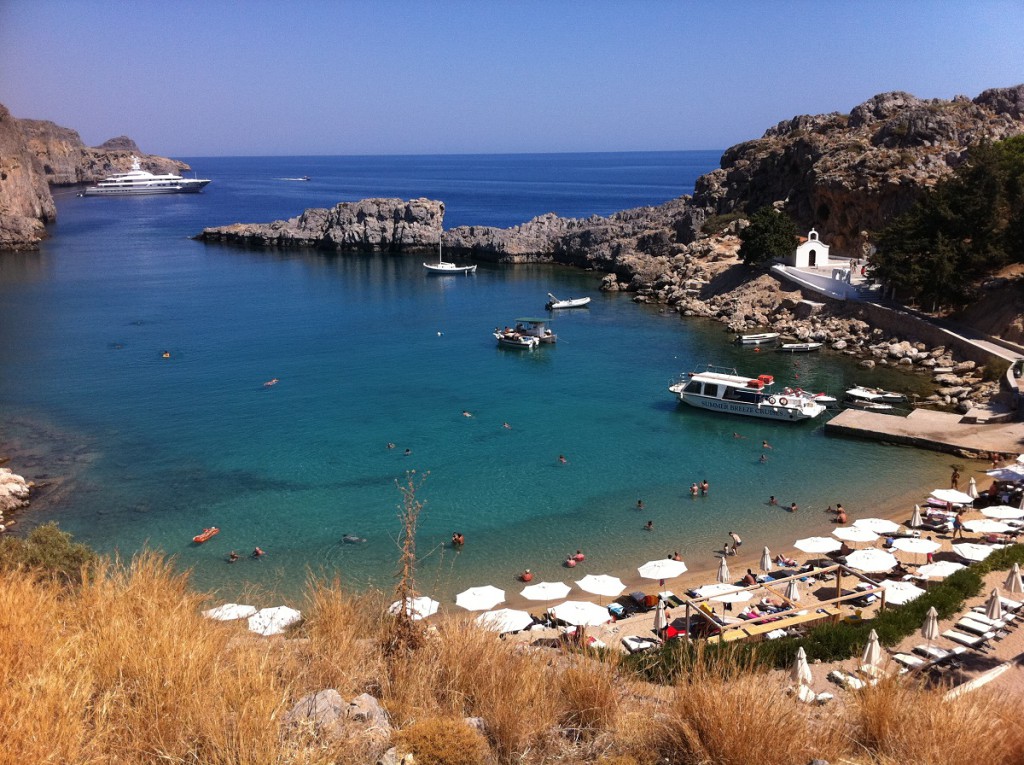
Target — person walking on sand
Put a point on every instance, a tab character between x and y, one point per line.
958	524
954	479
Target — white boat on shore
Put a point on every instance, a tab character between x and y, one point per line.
725	391
444	267
864	395
799	347
555	303
757	339
137	182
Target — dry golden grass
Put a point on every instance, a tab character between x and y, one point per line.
126	670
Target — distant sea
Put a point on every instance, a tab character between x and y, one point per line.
371	350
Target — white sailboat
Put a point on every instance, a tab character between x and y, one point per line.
443	267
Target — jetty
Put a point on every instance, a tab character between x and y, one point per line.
927	429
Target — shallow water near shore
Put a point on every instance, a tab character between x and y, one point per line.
370	350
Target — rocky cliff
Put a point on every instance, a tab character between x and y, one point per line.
25	201
370	225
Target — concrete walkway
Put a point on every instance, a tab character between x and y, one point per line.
923	428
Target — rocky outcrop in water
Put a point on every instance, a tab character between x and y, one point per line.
370	225
25	201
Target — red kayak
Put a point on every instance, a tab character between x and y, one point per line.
207	534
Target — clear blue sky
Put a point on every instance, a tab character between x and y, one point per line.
207	78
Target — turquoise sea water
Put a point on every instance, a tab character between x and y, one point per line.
371	350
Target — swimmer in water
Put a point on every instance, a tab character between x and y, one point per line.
273	381
258	553
562	459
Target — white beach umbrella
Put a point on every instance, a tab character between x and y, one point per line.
972	488
1020	459
766	560
915	545
714	590
940	570
415	608
897	593
801	672
994	606
723	571
817	545
505	620
952	495
273	621
601	584
480	598
871	560
1008	473
663	568
854	534
1003	512
972	552
546	591
930	628
877	525
987	526
1013	583
793	590
659	617
872	651
580	613
915	518
229	612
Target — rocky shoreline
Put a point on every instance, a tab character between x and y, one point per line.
14	495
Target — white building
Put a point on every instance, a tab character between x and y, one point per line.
811	253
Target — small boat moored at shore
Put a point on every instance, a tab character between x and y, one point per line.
444	267
860	394
515	338
799	347
757	339
725	391
206	535
554	303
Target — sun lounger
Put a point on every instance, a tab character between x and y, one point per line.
849	682
1004	623
910	661
635	644
871	671
936	654
670	597
977	628
977	642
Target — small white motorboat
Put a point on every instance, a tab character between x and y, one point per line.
513	339
799	347
554	302
874	395
757	339
825	399
444	267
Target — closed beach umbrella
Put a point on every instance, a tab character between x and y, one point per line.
872	651
940	569
546	591
972	488
987	526
273	621
659	617
714	590
801	672
1013	584
818	545
480	598
877	525
505	620
871	560
1002	512
580	613
415	608
972	552
855	534
601	584
897	593
229	612
793	590
723	570
766	560
994	606
952	495
915	518
663	568
916	546
930	628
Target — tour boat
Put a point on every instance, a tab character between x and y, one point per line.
799	347
757	339
725	391
554	302
874	395
138	181
206	535
444	267
537	328
513	339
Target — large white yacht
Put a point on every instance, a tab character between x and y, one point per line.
726	391
139	181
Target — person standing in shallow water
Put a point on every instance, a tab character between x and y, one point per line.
954	479
704	486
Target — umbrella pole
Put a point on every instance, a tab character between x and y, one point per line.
687	621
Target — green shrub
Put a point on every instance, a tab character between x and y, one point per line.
47	550
716	224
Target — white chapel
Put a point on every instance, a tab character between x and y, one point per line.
811	253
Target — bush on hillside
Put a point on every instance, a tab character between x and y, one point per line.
444	741
47	550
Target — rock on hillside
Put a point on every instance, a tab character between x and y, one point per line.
25	201
65	160
850	174
370	225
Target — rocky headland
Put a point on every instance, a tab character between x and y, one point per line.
37	154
